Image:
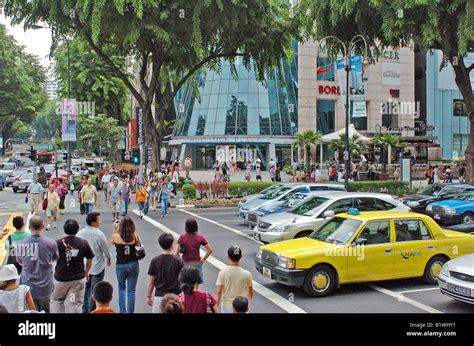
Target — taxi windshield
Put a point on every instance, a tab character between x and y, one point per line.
338	230
276	193
467	195
310	207
431	190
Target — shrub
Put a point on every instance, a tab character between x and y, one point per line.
189	191
202	188
288	169
390	187
241	189
77	179
219	189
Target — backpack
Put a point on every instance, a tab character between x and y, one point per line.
11	258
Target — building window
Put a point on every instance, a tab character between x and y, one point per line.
326	116
360	123
325	70
459	108
460	143
390	120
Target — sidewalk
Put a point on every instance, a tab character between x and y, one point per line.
208	176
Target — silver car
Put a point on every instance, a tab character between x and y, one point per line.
456	279
313	213
257	195
282	192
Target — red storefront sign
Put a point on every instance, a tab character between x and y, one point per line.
330	90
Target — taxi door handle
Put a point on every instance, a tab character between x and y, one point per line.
388	250
430	246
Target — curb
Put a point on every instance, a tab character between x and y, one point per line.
202	206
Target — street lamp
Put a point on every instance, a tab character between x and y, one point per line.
347	52
36	27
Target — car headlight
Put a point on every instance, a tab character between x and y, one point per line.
450	210
285	262
259	253
429	207
445	271
242	201
413	204
280	228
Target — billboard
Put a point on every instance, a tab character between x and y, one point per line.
68	116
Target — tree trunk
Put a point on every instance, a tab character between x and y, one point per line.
464	84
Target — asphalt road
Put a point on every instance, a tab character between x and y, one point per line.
222	228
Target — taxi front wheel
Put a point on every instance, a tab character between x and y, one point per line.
433	268
320	281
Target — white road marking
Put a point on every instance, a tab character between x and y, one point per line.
419	290
215	214
404	299
259	288
223	226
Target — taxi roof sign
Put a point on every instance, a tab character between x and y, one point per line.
353	211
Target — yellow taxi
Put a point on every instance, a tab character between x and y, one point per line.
361	247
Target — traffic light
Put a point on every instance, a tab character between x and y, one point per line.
136	156
148	155
32	155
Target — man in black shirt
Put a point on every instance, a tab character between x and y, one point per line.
70	274
164	271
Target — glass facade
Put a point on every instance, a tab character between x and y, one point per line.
239	107
326	116
325	69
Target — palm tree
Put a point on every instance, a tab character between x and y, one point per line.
385	140
304	141
357	147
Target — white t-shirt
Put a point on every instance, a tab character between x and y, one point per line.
236	281
318	174
106	178
175	177
11	299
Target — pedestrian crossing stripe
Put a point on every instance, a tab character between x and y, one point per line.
11	229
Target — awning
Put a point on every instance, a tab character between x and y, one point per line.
352	132
423	145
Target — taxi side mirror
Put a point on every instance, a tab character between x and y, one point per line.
328	214
360	241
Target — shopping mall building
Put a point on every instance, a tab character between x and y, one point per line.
242	119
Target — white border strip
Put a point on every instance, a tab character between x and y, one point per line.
262	290
223	226
403	299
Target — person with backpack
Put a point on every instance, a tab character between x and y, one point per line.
165	189
62	192
15	298
18	235
125	238
194	301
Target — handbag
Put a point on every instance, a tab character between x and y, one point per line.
44	204
139	249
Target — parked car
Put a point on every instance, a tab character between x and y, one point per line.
363	247
462	227
310	215
273	207
433	193
281	193
460	209
257	195
456	279
22	183
11	178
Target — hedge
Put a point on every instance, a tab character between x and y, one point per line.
189	191
76	180
241	189
391	187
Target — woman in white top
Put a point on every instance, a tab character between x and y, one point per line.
15	298
175	180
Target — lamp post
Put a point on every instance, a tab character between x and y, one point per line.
36	27
347	55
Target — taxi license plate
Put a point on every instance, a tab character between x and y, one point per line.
436	217
459	289
267	272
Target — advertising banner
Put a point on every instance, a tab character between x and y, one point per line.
391	73
68	115
140	130
358	89
341	76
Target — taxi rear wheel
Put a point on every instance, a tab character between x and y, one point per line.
433	268
320	281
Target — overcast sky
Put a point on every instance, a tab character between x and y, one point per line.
37	42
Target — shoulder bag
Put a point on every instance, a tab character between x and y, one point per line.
139	249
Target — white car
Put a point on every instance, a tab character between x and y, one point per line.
456	279
315	211
7	168
269	189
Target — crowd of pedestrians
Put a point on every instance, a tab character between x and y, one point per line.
67	274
